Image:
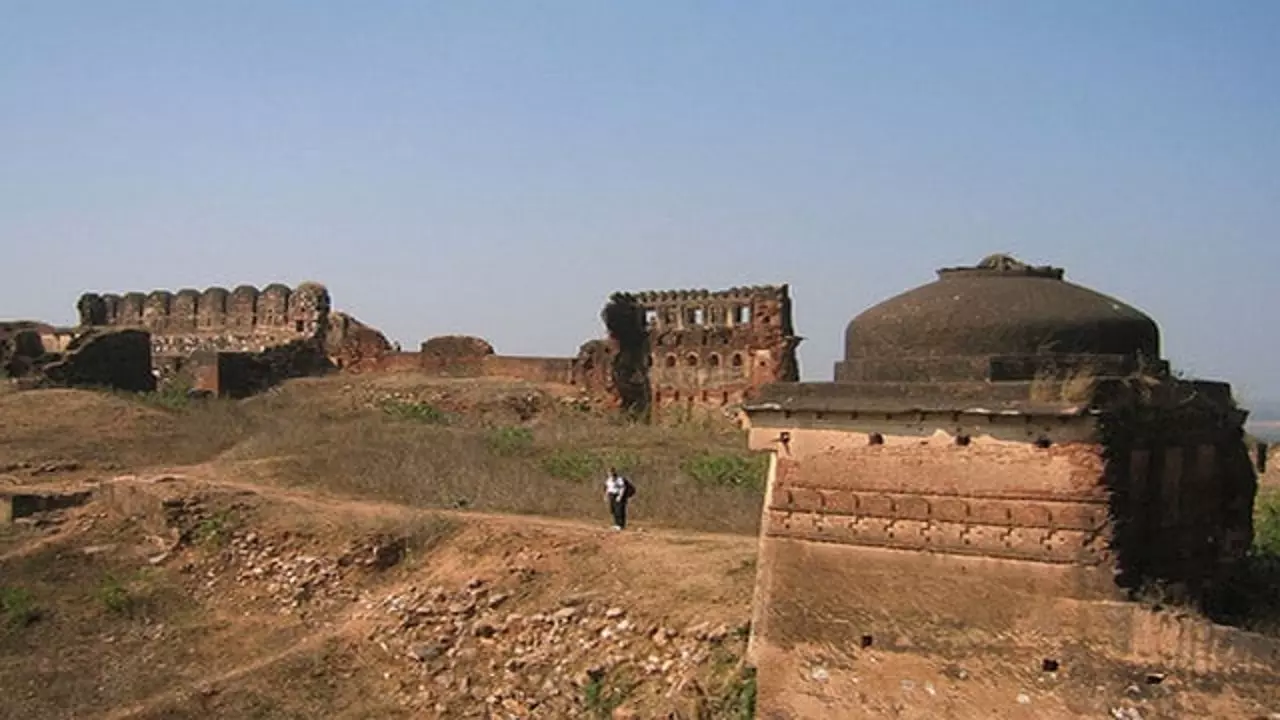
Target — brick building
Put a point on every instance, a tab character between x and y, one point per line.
717	348
1002	464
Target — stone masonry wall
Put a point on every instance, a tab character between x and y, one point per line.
945	535
711	349
244	320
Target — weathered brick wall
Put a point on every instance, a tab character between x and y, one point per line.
114	358
533	369
189	321
710	349
1010	535
458	355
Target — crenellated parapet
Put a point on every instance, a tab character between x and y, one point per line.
301	311
761	307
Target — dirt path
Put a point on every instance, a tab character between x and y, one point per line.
222	474
159	700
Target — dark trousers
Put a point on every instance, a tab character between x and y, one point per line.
618	506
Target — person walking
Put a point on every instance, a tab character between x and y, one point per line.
618	490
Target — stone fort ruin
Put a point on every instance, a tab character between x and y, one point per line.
665	349
717	348
1001	466
237	341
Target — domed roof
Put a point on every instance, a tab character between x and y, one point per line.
1002	310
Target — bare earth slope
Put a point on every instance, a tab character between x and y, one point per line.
403	547
187	598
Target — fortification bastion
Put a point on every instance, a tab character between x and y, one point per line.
233	341
1002	465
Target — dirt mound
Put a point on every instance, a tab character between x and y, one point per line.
101	431
54	419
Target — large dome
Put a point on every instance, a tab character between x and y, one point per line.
999	320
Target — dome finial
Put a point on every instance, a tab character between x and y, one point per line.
1003	262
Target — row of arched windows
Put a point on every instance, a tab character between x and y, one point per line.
692	360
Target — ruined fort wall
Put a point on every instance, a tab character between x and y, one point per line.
190	323
711	349
533	369
214	320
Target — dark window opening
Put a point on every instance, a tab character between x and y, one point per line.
691	361
875	438
671	361
714	361
737	360
298	325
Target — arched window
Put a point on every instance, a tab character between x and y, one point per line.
671	361
691	360
714	360
737	359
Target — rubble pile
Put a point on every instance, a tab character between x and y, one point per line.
286	571
467	650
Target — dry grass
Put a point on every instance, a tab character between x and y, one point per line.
1074	386
552	465
488	446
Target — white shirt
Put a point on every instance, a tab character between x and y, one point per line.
614	485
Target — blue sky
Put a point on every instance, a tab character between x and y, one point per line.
497	168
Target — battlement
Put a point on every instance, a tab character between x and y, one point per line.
775	292
760	307
302	310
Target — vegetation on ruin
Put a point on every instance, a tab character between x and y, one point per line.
1266	524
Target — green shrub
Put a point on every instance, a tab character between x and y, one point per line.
569	464
418	412
18	607
1266	525
740	696
513	440
727	470
115	596
579	464
214	530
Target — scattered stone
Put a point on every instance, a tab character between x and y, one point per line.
427	652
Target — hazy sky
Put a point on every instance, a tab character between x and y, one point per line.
497	168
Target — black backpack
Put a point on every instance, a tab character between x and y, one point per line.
627	489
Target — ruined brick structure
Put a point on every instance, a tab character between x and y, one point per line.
712	349
254	328
242	320
40	355
1001	466
465	356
